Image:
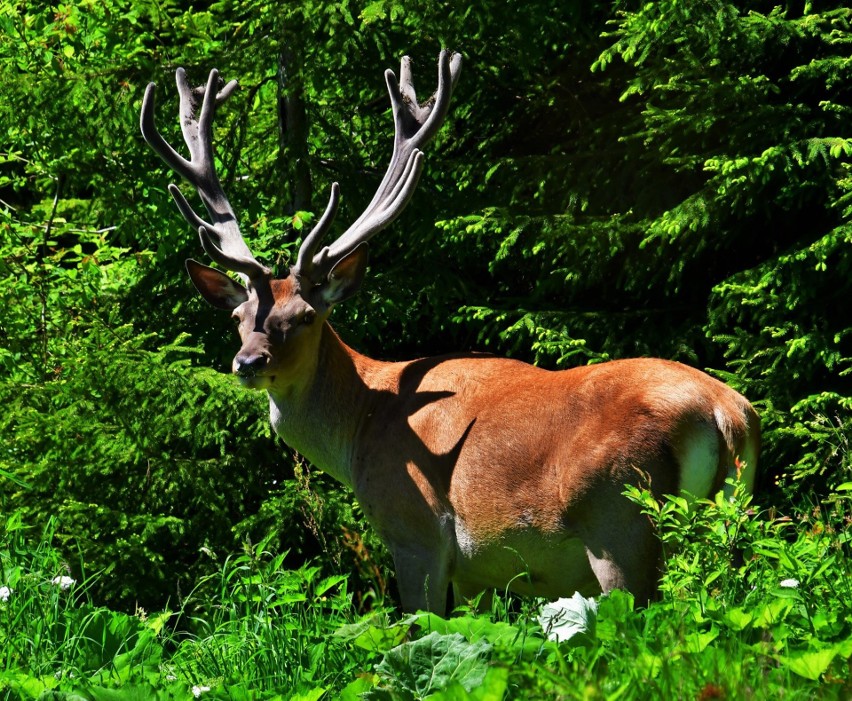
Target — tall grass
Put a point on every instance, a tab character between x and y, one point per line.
268	628
753	606
50	632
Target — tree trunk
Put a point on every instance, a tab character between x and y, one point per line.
293	127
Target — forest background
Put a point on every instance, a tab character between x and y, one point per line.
615	179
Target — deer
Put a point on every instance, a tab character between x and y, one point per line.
478	472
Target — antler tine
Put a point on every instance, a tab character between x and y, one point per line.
414	126
155	140
221	239
313	239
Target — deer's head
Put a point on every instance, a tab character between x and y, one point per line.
280	319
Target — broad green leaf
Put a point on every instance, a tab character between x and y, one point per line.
375	637
770	613
738	618
809	664
498	633
695	642
493	688
429	664
312	695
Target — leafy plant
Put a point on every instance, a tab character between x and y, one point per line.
270	628
51	634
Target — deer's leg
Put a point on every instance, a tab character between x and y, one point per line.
624	553
423	576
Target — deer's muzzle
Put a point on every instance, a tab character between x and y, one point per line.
251	363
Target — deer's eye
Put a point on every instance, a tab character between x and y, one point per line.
309	317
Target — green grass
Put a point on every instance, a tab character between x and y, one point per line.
753	606
271	628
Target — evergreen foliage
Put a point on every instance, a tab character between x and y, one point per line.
615	179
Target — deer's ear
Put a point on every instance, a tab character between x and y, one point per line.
216	287
345	277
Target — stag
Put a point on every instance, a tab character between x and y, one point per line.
478	472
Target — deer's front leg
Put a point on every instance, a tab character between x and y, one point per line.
422	574
411	515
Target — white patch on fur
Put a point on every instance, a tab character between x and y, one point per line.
698	455
464	539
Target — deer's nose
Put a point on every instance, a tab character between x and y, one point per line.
249	364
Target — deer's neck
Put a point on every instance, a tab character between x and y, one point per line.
321	417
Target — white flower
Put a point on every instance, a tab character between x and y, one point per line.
5	593
198	690
789	583
565	618
64	582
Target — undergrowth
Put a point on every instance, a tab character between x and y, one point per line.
754	605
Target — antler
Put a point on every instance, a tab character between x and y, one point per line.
414	126
221	239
